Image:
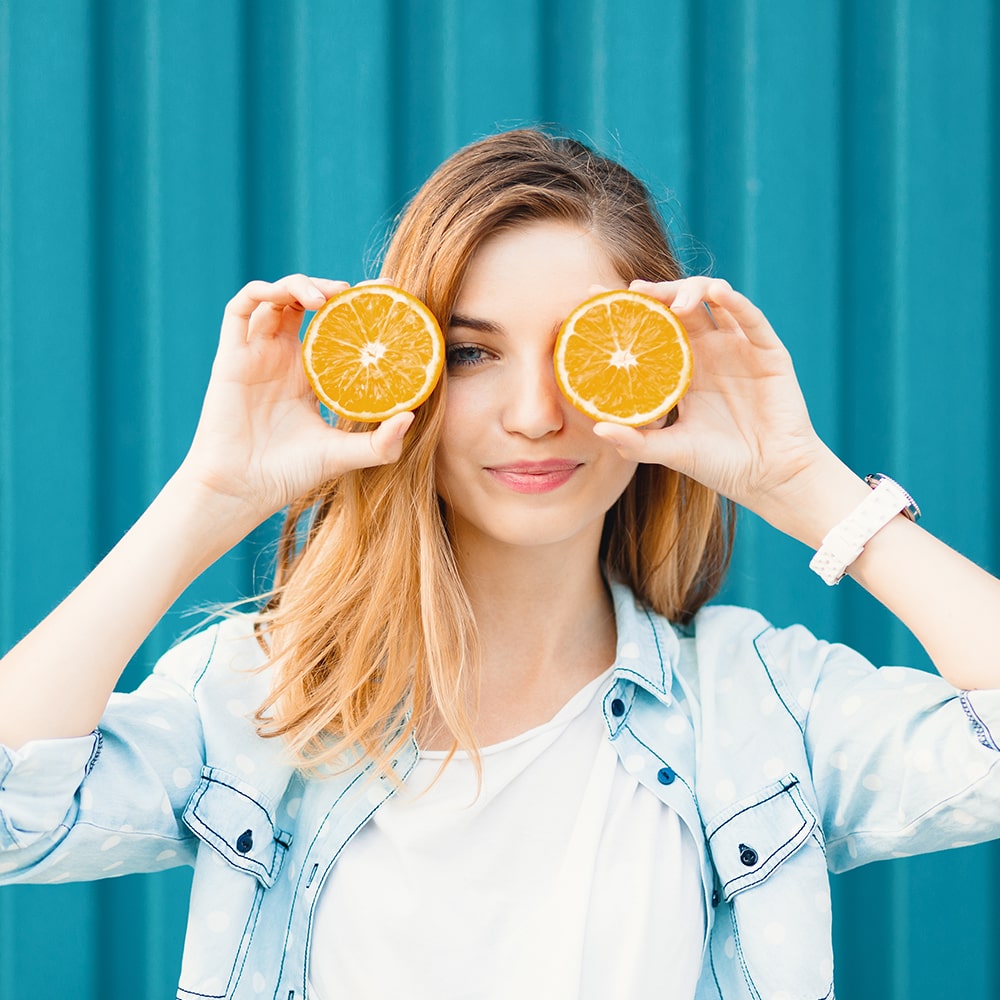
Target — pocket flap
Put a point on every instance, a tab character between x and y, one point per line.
237	821
754	837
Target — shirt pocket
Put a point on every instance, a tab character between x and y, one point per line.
773	917
239	859
237	821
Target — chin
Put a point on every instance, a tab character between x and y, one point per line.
531	530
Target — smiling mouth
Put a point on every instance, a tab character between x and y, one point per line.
534	477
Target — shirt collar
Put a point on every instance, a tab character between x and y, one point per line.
647	647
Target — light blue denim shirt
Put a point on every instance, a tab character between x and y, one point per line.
784	756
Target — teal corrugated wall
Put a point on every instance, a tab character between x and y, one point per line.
837	161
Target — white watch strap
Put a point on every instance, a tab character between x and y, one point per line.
846	540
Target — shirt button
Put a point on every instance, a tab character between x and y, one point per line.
244	843
665	776
617	707
715	897
748	855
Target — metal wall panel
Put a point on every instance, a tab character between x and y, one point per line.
837	161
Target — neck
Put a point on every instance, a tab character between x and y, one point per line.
546	626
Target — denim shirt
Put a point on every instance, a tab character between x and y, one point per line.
785	756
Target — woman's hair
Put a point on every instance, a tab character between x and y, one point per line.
369	626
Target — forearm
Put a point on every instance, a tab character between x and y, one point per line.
950	604
56	682
744	431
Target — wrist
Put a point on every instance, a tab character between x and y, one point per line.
212	519
848	538
819	496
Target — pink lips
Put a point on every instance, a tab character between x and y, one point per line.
534	477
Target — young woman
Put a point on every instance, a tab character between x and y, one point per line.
485	739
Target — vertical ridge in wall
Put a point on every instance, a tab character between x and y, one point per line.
7	634
862	919
721	212
47	346
8	901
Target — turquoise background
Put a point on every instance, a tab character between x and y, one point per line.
838	162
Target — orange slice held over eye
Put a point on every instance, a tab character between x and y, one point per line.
373	351
623	357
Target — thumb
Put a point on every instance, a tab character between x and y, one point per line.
651	445
629	441
343	451
386	441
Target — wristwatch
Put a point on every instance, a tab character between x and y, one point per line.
846	540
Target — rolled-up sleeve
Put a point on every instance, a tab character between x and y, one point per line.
110	803
902	762
38	786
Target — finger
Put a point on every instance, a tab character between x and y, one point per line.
368	448
387	439
295	291
697	297
631	442
684	297
660	446
329	287
735	310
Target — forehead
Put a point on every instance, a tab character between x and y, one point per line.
550	262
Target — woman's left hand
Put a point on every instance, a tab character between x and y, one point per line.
743	428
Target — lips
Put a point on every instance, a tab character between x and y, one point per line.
534	477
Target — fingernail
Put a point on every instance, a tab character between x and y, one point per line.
607	432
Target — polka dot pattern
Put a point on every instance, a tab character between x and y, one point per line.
245	763
852	705
725	791
676	724
633	764
775	933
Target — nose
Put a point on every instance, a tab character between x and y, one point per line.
534	407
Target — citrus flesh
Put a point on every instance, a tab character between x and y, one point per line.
623	357
373	351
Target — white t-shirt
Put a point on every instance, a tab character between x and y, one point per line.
565	879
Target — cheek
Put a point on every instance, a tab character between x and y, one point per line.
617	473
458	434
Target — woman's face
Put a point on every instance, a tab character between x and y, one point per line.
516	463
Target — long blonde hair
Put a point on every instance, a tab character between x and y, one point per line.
369	627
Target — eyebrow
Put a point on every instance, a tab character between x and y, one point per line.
471	323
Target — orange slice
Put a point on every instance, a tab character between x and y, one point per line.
373	351
624	357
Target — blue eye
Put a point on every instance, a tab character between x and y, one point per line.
465	355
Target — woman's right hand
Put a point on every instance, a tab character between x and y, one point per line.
261	440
